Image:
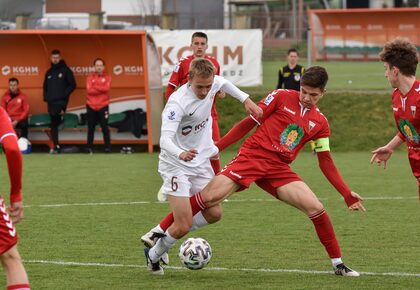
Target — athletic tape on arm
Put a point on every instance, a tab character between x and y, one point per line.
322	144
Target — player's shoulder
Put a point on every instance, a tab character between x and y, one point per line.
320	115
185	59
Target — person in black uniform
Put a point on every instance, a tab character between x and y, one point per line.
290	74
59	83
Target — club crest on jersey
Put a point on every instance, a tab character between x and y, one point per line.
171	115
186	130
407	129
268	100
291	136
413	110
311	125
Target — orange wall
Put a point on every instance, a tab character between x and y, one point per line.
25	55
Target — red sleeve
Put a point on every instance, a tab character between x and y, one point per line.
331	172
3	102
25	108
401	136
103	87
90	87
13	156
237	132
168	92
270	103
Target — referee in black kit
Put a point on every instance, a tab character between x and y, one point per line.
290	74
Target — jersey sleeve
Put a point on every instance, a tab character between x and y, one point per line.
269	104
13	156
325	129
171	118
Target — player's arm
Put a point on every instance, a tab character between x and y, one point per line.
171	118
238	131
382	154
328	168
243	97
14	165
174	80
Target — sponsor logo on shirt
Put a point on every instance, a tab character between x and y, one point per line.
291	137
235	174
192	113
268	99
288	110
200	126
408	130
311	125
171	115
186	130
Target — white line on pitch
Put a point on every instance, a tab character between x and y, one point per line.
230	200
299	271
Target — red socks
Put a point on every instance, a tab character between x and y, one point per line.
325	232
19	287
197	205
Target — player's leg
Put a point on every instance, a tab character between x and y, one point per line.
13	267
10	258
299	195
182	223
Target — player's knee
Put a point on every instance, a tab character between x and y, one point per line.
314	207
10	257
216	214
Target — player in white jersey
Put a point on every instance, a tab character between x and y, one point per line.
186	148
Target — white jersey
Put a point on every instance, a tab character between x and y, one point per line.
187	123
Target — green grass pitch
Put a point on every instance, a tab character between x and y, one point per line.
85	214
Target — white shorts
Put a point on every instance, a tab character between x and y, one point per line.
184	182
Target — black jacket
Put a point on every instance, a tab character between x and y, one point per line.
59	83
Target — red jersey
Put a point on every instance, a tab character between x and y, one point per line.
407	115
16	107
286	125
14	158
98	87
179	75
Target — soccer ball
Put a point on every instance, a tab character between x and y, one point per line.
24	145
195	253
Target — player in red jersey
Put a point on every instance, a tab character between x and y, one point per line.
9	255
400	59
180	76
290	119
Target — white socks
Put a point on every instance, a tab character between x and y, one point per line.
163	245
336	261
198	221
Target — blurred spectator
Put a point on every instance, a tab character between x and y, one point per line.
59	83
290	74
15	103
98	85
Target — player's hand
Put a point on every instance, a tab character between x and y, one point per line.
252	108
188	155
357	205
221	94
16	211
381	156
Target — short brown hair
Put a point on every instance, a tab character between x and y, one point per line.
402	54
201	67
315	77
199	34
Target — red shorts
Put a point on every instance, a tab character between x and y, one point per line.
414	159
266	170
8	234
